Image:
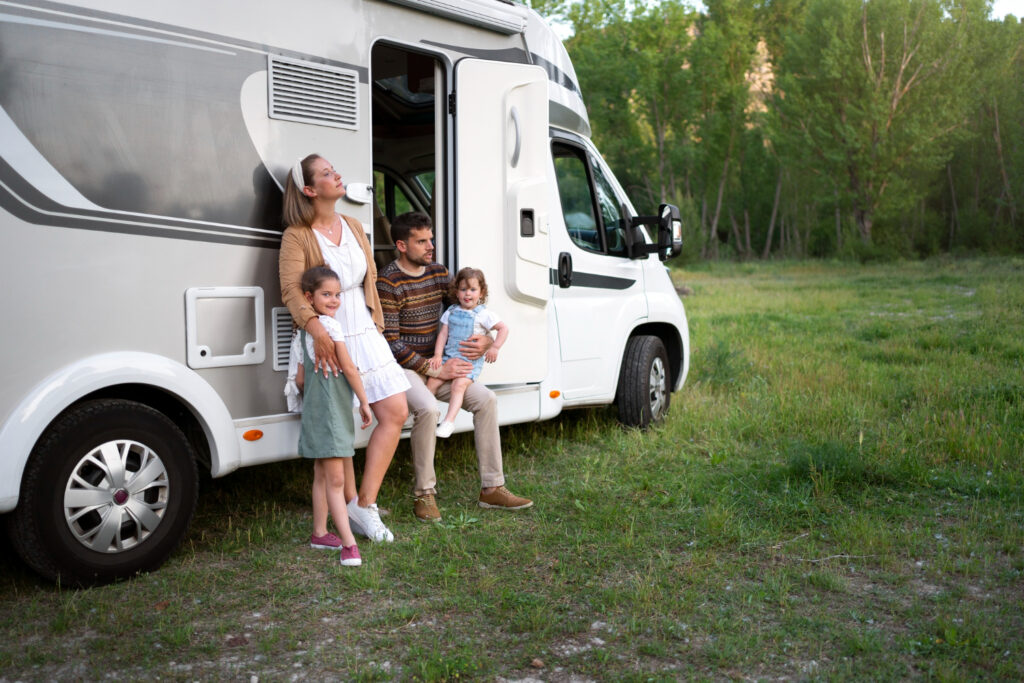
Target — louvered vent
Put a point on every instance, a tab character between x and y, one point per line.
313	93
282	322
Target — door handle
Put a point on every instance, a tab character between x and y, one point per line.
519	137
564	270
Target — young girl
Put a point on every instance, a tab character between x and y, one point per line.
328	429
459	323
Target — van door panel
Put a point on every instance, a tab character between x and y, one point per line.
605	297
502	196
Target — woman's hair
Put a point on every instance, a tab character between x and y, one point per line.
466	274
316	276
298	208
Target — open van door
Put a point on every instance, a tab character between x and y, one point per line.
501	200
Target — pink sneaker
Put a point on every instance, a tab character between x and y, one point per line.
326	542
350	556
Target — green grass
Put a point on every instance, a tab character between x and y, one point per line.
838	493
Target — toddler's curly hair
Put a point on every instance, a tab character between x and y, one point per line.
463	275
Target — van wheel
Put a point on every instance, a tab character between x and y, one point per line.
643	394
108	492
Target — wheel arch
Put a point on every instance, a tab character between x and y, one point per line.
158	382
672	339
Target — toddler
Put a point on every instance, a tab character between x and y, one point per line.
460	322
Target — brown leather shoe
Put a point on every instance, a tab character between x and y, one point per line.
503	499
425	508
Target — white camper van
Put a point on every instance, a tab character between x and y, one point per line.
143	147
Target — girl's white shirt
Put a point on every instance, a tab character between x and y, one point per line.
296	357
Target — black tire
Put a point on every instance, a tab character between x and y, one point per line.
644	387
108	491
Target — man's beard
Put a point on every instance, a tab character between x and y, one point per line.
424	260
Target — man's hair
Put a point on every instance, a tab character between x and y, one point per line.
406	223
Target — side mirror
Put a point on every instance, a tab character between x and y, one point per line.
669	238
670	232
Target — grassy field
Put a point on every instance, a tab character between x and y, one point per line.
837	493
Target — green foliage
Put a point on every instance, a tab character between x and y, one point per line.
631	70
870	94
803	127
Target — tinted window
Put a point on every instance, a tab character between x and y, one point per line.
592	212
390	197
577	198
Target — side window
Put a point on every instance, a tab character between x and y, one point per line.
388	201
390	197
426	182
584	190
577	200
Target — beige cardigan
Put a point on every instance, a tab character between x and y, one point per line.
300	252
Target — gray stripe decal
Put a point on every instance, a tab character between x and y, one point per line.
40	210
593	280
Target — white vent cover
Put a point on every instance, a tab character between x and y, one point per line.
281	321
313	93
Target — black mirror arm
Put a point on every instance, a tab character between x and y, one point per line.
639	248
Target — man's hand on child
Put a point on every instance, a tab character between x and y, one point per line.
475	346
455	367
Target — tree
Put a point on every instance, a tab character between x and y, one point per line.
875	92
633	71
984	182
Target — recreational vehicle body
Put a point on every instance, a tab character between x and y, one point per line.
143	148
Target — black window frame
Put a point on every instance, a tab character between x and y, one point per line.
585	156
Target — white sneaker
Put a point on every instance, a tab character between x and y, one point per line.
365	521
445	429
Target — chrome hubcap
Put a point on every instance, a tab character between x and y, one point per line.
657	383
116	496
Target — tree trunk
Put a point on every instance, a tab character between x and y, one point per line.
746	234
718	209
1007	190
736	235
810	214
954	218
704	248
775	212
839	221
864	222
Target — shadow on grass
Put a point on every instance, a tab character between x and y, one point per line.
844	466
720	366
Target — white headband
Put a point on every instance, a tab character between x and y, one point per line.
297	175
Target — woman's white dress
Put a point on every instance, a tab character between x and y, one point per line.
381	375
